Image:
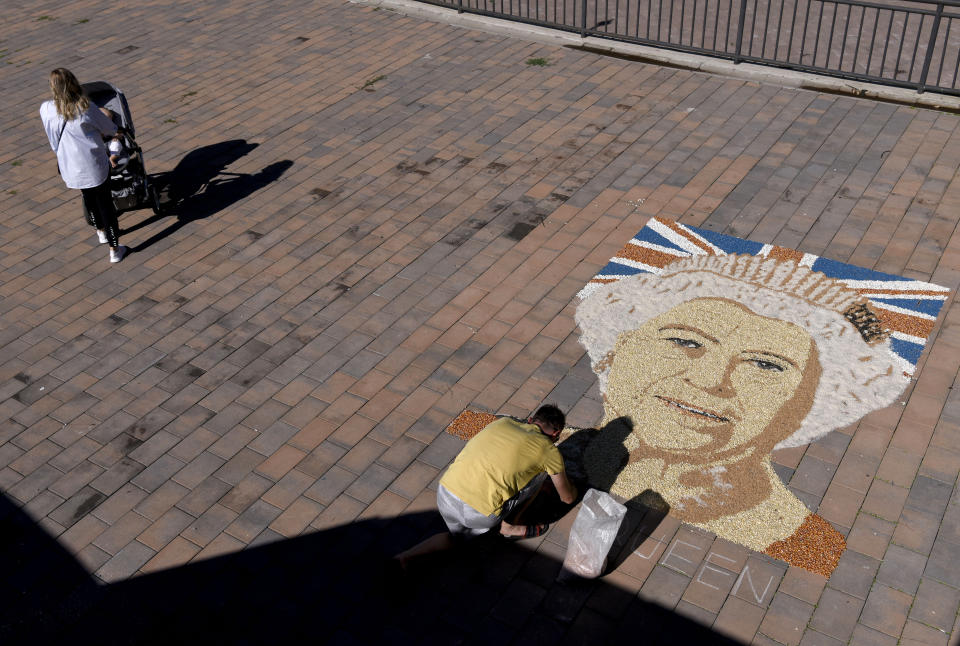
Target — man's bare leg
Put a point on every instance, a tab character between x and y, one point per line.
436	543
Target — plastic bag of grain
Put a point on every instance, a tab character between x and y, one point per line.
592	535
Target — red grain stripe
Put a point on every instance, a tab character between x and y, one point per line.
678	228
904	323
647	256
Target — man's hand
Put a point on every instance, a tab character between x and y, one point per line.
566	489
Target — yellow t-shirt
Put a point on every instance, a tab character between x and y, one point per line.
498	462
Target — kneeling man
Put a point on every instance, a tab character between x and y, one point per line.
496	476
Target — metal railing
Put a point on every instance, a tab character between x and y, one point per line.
906	43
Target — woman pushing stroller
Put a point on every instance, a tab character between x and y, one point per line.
76	130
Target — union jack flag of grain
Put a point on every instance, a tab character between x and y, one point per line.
908	308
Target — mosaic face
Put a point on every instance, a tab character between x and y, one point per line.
709	377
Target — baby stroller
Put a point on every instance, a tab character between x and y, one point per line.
129	183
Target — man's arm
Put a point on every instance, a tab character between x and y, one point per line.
566	489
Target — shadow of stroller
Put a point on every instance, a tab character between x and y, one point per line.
199	187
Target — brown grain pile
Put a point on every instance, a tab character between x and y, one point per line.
815	546
469	423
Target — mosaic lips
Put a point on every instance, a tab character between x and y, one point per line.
692	424
693	410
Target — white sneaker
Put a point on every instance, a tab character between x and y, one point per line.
116	255
101	236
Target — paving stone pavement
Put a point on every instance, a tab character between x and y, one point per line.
374	222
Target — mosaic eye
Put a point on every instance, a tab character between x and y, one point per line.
684	343
766	365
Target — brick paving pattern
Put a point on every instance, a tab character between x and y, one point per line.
376	222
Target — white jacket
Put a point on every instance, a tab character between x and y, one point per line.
82	154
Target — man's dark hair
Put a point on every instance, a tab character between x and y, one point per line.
552	416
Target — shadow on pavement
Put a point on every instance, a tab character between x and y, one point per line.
199	187
330	587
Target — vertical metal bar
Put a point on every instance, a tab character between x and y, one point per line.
626	20
693	22
846	35
943	55
886	45
732	25
716	25
856	49
706	20
753	24
833	23
803	39
793	29
776	43
933	43
703	25
766	28
637	20
916	45
683	19
956	66
670	24
816	42
873	41
743	18
649	4
903	35
583	18
660	20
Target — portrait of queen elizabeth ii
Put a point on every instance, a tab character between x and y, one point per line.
714	363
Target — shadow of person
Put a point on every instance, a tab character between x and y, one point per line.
605	447
199	186
324	586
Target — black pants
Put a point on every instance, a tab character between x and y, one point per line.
99	212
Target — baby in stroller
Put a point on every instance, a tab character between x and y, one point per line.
130	185
117	145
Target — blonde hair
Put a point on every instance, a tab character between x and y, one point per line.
860	372
68	96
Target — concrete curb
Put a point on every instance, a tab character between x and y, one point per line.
745	71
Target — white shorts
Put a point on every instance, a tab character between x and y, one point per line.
464	520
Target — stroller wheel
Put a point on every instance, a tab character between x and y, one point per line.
154	200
